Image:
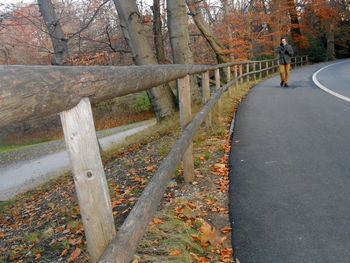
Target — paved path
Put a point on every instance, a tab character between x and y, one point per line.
290	172
23	175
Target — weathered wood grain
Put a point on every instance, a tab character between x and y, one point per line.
206	97
217	87
33	92
228	75
185	118
89	177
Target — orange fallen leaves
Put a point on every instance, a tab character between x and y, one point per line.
175	253
199	259
37	255
226	255
151	168
208	234
76	253
77	241
60	228
157	221
226	230
64	252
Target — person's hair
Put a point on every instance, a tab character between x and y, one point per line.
283	38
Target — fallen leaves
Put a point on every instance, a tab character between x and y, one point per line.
226	230
209	234
175	253
76	253
64	252
37	255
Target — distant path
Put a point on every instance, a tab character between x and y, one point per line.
290	171
25	174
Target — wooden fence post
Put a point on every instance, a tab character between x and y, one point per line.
236	75
185	118
267	68
241	72
217	86
90	181
248	76
254	69
206	97
228	70
275	64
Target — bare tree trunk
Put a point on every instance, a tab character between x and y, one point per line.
207	11
58	38
162	99
179	40
224	4
275	24
330	41
157	31
295	26
213	41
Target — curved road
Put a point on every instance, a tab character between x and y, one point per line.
336	77
290	170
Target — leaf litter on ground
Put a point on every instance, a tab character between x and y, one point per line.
44	225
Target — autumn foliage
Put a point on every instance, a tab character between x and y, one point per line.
247	30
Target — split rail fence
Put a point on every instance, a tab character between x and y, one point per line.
28	92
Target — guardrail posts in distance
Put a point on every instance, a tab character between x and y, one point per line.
260	74
307	60
217	86
206	96
185	118
276	65
89	177
254	69
241	72
248	72
236	75
228	73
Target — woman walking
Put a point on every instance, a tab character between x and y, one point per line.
285	50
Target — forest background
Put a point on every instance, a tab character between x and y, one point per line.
92	32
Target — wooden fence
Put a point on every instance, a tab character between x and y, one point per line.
37	91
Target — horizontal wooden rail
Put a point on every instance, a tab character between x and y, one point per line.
32	92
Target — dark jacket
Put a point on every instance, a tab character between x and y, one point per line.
285	52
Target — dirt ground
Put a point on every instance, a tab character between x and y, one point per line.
191	225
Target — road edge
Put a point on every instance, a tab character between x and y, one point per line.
318	84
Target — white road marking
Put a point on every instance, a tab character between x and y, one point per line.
326	89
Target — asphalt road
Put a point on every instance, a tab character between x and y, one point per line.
290	172
336	77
